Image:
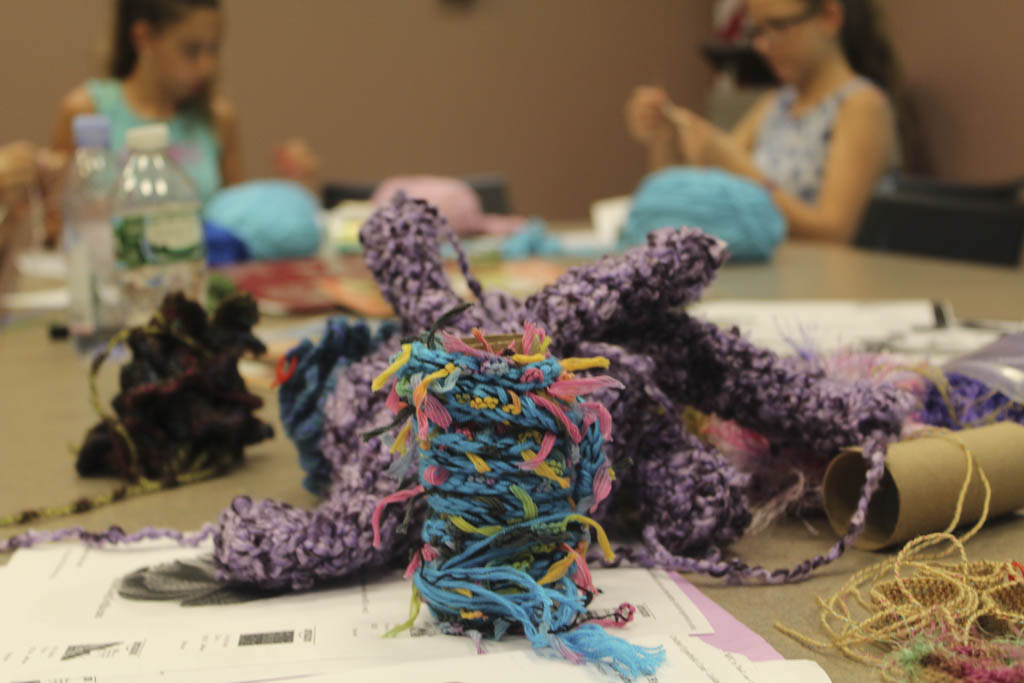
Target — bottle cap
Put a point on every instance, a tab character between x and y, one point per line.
152	137
91	130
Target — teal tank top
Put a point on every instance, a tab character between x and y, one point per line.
194	144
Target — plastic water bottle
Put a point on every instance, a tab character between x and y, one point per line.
157	226
95	312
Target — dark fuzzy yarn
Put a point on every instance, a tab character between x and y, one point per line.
182	403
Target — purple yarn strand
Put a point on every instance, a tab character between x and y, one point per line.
657	555
114	535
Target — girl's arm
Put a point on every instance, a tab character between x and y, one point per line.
647	125
74	103
860	149
226	121
744	134
862	142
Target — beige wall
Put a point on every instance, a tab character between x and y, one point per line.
46	47
963	62
533	88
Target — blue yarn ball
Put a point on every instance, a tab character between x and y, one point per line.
722	204
275	219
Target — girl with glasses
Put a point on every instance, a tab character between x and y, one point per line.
819	143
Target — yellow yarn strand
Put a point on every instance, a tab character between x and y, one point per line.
557	570
463	525
915	592
574	364
479	463
402	359
602	537
529	507
544	469
523	359
419	394
414	611
402	439
516	406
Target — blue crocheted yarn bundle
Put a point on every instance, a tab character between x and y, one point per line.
510	462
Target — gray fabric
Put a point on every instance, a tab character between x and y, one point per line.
193	582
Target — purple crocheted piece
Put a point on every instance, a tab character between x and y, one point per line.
723	373
401	242
689	502
683	498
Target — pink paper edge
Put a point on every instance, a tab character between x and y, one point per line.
730	633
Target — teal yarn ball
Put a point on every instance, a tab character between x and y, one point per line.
730	207
275	219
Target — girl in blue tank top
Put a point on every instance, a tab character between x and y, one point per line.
162	68
821	142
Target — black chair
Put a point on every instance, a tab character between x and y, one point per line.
948	220
492	189
334	193
1006	192
749	67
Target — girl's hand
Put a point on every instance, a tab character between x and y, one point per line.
17	165
295	160
644	118
28	175
703	144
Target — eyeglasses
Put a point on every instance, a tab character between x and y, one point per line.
771	27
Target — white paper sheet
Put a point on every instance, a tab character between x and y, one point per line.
64	621
822	325
608	216
687	659
55	299
41	263
76	584
311	654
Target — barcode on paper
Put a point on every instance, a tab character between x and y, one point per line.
269	638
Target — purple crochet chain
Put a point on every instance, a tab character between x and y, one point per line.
687	500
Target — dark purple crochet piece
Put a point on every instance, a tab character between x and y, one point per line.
401	242
687	502
628	291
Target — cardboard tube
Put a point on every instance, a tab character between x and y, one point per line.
922	480
497	341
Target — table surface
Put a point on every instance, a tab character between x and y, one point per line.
816	271
45	412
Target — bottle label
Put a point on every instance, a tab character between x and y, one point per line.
159	237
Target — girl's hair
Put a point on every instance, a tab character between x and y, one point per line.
867	48
864	41
158	13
